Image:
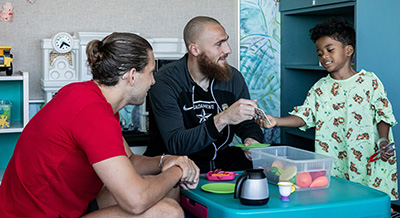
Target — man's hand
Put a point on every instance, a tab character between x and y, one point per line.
248	142
241	110
190	171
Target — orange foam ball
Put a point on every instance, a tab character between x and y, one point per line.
319	182
303	180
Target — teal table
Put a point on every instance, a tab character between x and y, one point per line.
342	199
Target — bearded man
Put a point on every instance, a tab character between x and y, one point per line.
199	102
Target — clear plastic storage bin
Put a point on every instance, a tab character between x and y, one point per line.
307	170
5	114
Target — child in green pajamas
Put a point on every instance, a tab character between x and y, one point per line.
349	110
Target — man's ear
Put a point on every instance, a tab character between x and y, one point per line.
193	49
130	76
349	50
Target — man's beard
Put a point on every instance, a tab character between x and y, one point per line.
213	70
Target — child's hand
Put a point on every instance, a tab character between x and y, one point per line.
264	124
384	154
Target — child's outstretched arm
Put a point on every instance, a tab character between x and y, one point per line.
383	129
289	121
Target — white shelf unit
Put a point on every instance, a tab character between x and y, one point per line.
14	88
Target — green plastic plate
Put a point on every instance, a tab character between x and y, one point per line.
219	188
252	146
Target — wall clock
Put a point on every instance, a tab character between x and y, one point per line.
62	42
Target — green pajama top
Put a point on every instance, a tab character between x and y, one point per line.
345	114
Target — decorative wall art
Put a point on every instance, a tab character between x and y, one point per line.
260	56
6	13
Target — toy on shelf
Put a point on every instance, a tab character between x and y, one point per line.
4	122
5	113
6	59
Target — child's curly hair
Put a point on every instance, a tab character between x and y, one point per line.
337	28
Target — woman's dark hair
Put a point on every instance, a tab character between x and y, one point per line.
337	28
116	54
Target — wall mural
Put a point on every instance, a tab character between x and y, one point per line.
260	56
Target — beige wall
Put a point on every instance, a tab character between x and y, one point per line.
150	18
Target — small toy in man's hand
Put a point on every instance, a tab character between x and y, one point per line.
260	113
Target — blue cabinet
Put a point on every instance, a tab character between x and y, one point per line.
286	5
15	89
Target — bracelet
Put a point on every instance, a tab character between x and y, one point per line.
161	163
381	140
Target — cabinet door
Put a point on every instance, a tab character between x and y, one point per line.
286	5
